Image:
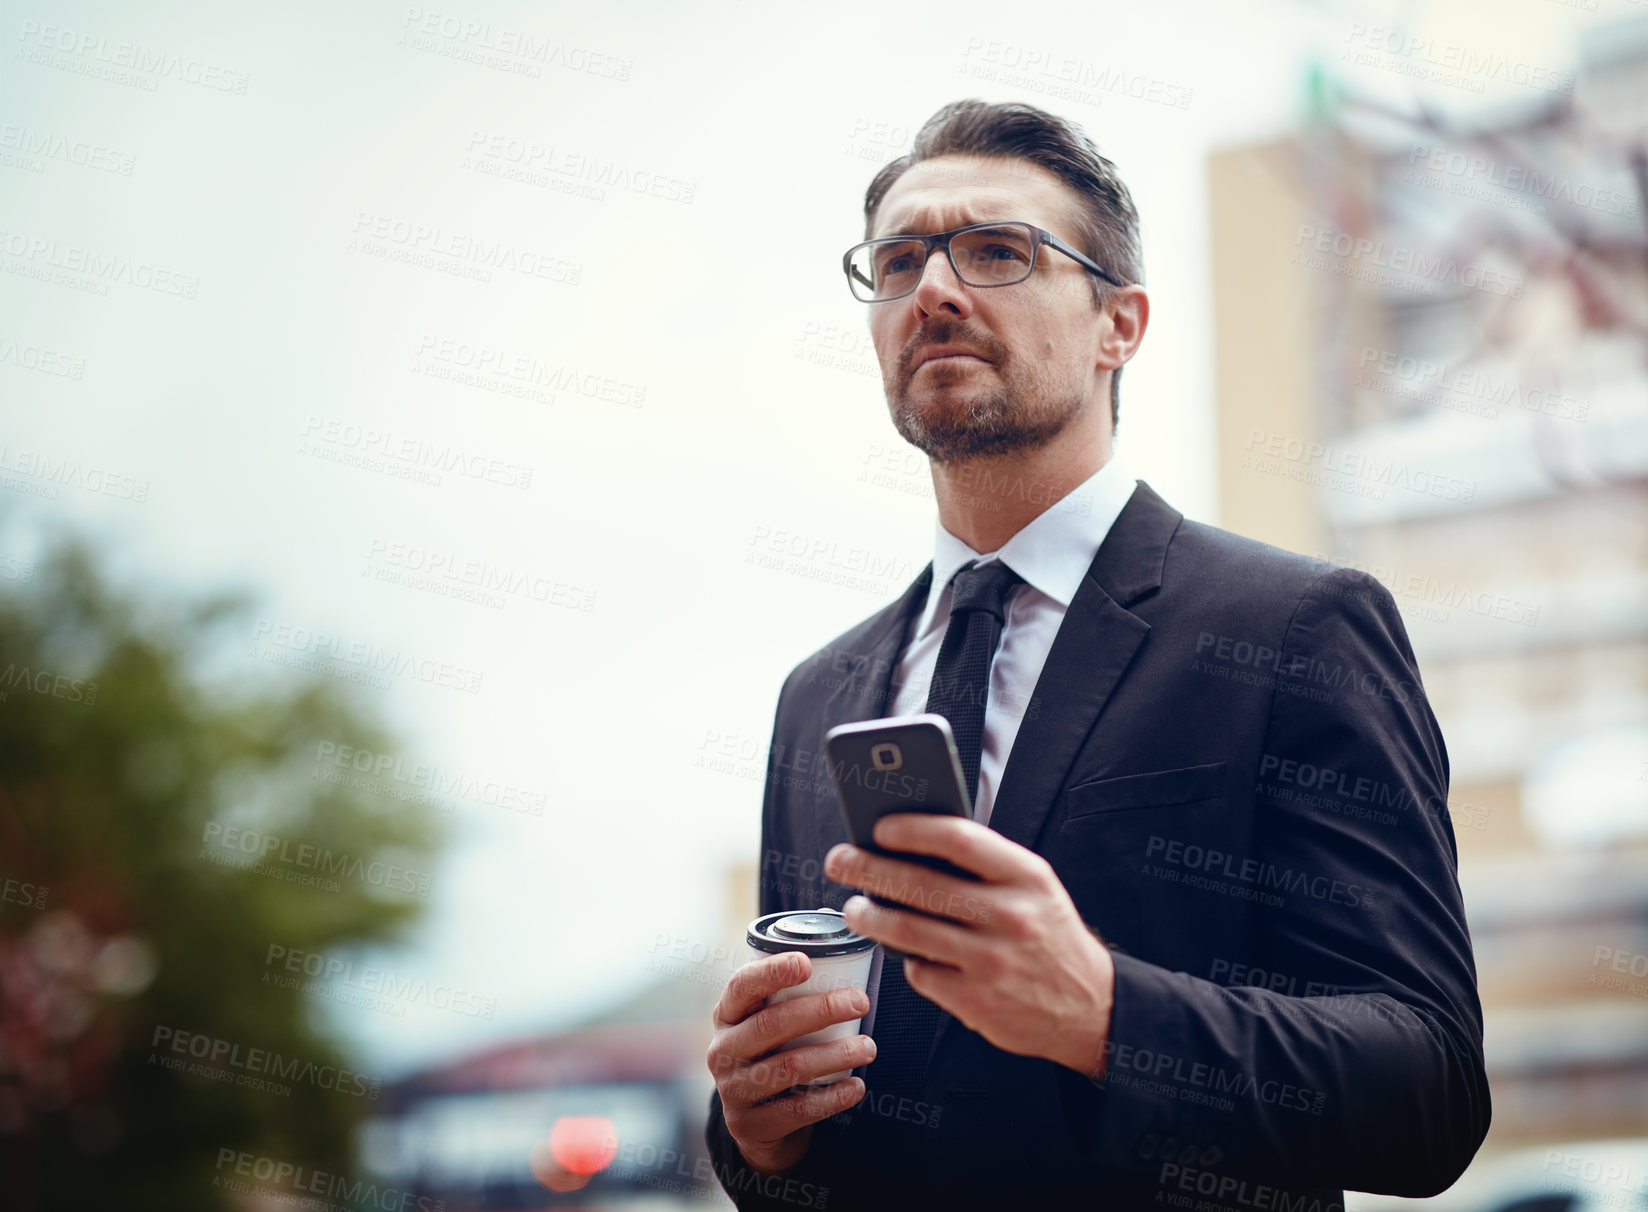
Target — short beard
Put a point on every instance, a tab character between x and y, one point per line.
1001	423
1006	422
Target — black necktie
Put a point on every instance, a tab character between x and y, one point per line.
905	1021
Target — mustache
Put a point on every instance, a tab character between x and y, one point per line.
947	332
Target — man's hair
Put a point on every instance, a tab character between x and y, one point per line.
1107	222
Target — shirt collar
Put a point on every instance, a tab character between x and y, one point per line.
1052	553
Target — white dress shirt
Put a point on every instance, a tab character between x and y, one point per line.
1052	554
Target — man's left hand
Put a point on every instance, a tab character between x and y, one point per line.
1008	956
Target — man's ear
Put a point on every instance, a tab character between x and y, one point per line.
1128	308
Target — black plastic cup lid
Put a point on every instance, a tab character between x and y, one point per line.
818	932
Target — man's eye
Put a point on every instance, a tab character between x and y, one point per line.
1003	252
897	265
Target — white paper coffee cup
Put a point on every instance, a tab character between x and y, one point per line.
840	960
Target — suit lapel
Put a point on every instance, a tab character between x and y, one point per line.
1095	644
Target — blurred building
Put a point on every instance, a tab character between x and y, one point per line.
1432	364
605	1114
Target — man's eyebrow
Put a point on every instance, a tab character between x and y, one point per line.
915	231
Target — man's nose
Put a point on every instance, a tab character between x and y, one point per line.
940	289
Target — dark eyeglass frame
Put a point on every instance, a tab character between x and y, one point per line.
1039	236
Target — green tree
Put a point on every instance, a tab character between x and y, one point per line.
132	916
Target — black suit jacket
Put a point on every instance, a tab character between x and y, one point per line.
1230	762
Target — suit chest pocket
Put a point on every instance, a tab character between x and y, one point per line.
1116	834
1159	788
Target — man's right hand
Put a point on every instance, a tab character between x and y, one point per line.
772	1128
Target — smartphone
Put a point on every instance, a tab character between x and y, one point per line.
904	763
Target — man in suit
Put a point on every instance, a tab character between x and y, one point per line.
1215	954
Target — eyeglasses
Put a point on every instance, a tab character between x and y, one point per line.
985	254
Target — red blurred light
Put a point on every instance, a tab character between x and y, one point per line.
584	1144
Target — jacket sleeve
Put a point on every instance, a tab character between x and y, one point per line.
1358	1064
